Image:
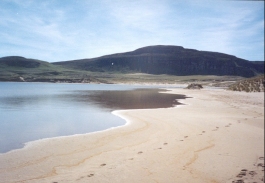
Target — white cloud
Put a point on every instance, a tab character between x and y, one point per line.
85	29
138	14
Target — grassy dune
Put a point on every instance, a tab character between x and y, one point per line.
255	84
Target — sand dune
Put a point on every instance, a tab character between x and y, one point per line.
217	137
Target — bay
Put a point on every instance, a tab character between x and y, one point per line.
32	111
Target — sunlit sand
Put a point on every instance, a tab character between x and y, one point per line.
218	136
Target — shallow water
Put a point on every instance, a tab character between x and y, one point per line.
32	111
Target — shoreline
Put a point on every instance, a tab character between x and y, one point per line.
115	112
166	143
43	140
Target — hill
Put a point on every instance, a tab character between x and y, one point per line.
171	60
22	69
16	61
155	64
14	68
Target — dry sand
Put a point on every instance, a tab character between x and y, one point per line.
217	137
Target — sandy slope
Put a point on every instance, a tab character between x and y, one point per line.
212	139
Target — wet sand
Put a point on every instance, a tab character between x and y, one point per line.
217	137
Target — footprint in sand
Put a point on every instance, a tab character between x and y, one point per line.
260	164
228	125
252	173
90	175
216	128
242	173
247	175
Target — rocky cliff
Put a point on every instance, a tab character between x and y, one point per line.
172	60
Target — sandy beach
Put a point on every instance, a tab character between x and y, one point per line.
217	137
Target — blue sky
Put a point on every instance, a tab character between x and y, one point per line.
59	30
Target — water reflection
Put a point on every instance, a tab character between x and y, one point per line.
130	99
32	111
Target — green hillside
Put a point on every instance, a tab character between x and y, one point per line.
22	69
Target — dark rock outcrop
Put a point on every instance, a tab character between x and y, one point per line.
194	86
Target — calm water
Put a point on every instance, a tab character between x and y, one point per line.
32	111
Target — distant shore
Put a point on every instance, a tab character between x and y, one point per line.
217	137
134	78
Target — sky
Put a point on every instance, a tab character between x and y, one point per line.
61	30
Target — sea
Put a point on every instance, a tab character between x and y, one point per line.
33	111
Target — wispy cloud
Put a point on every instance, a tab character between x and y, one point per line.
56	30
34	28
